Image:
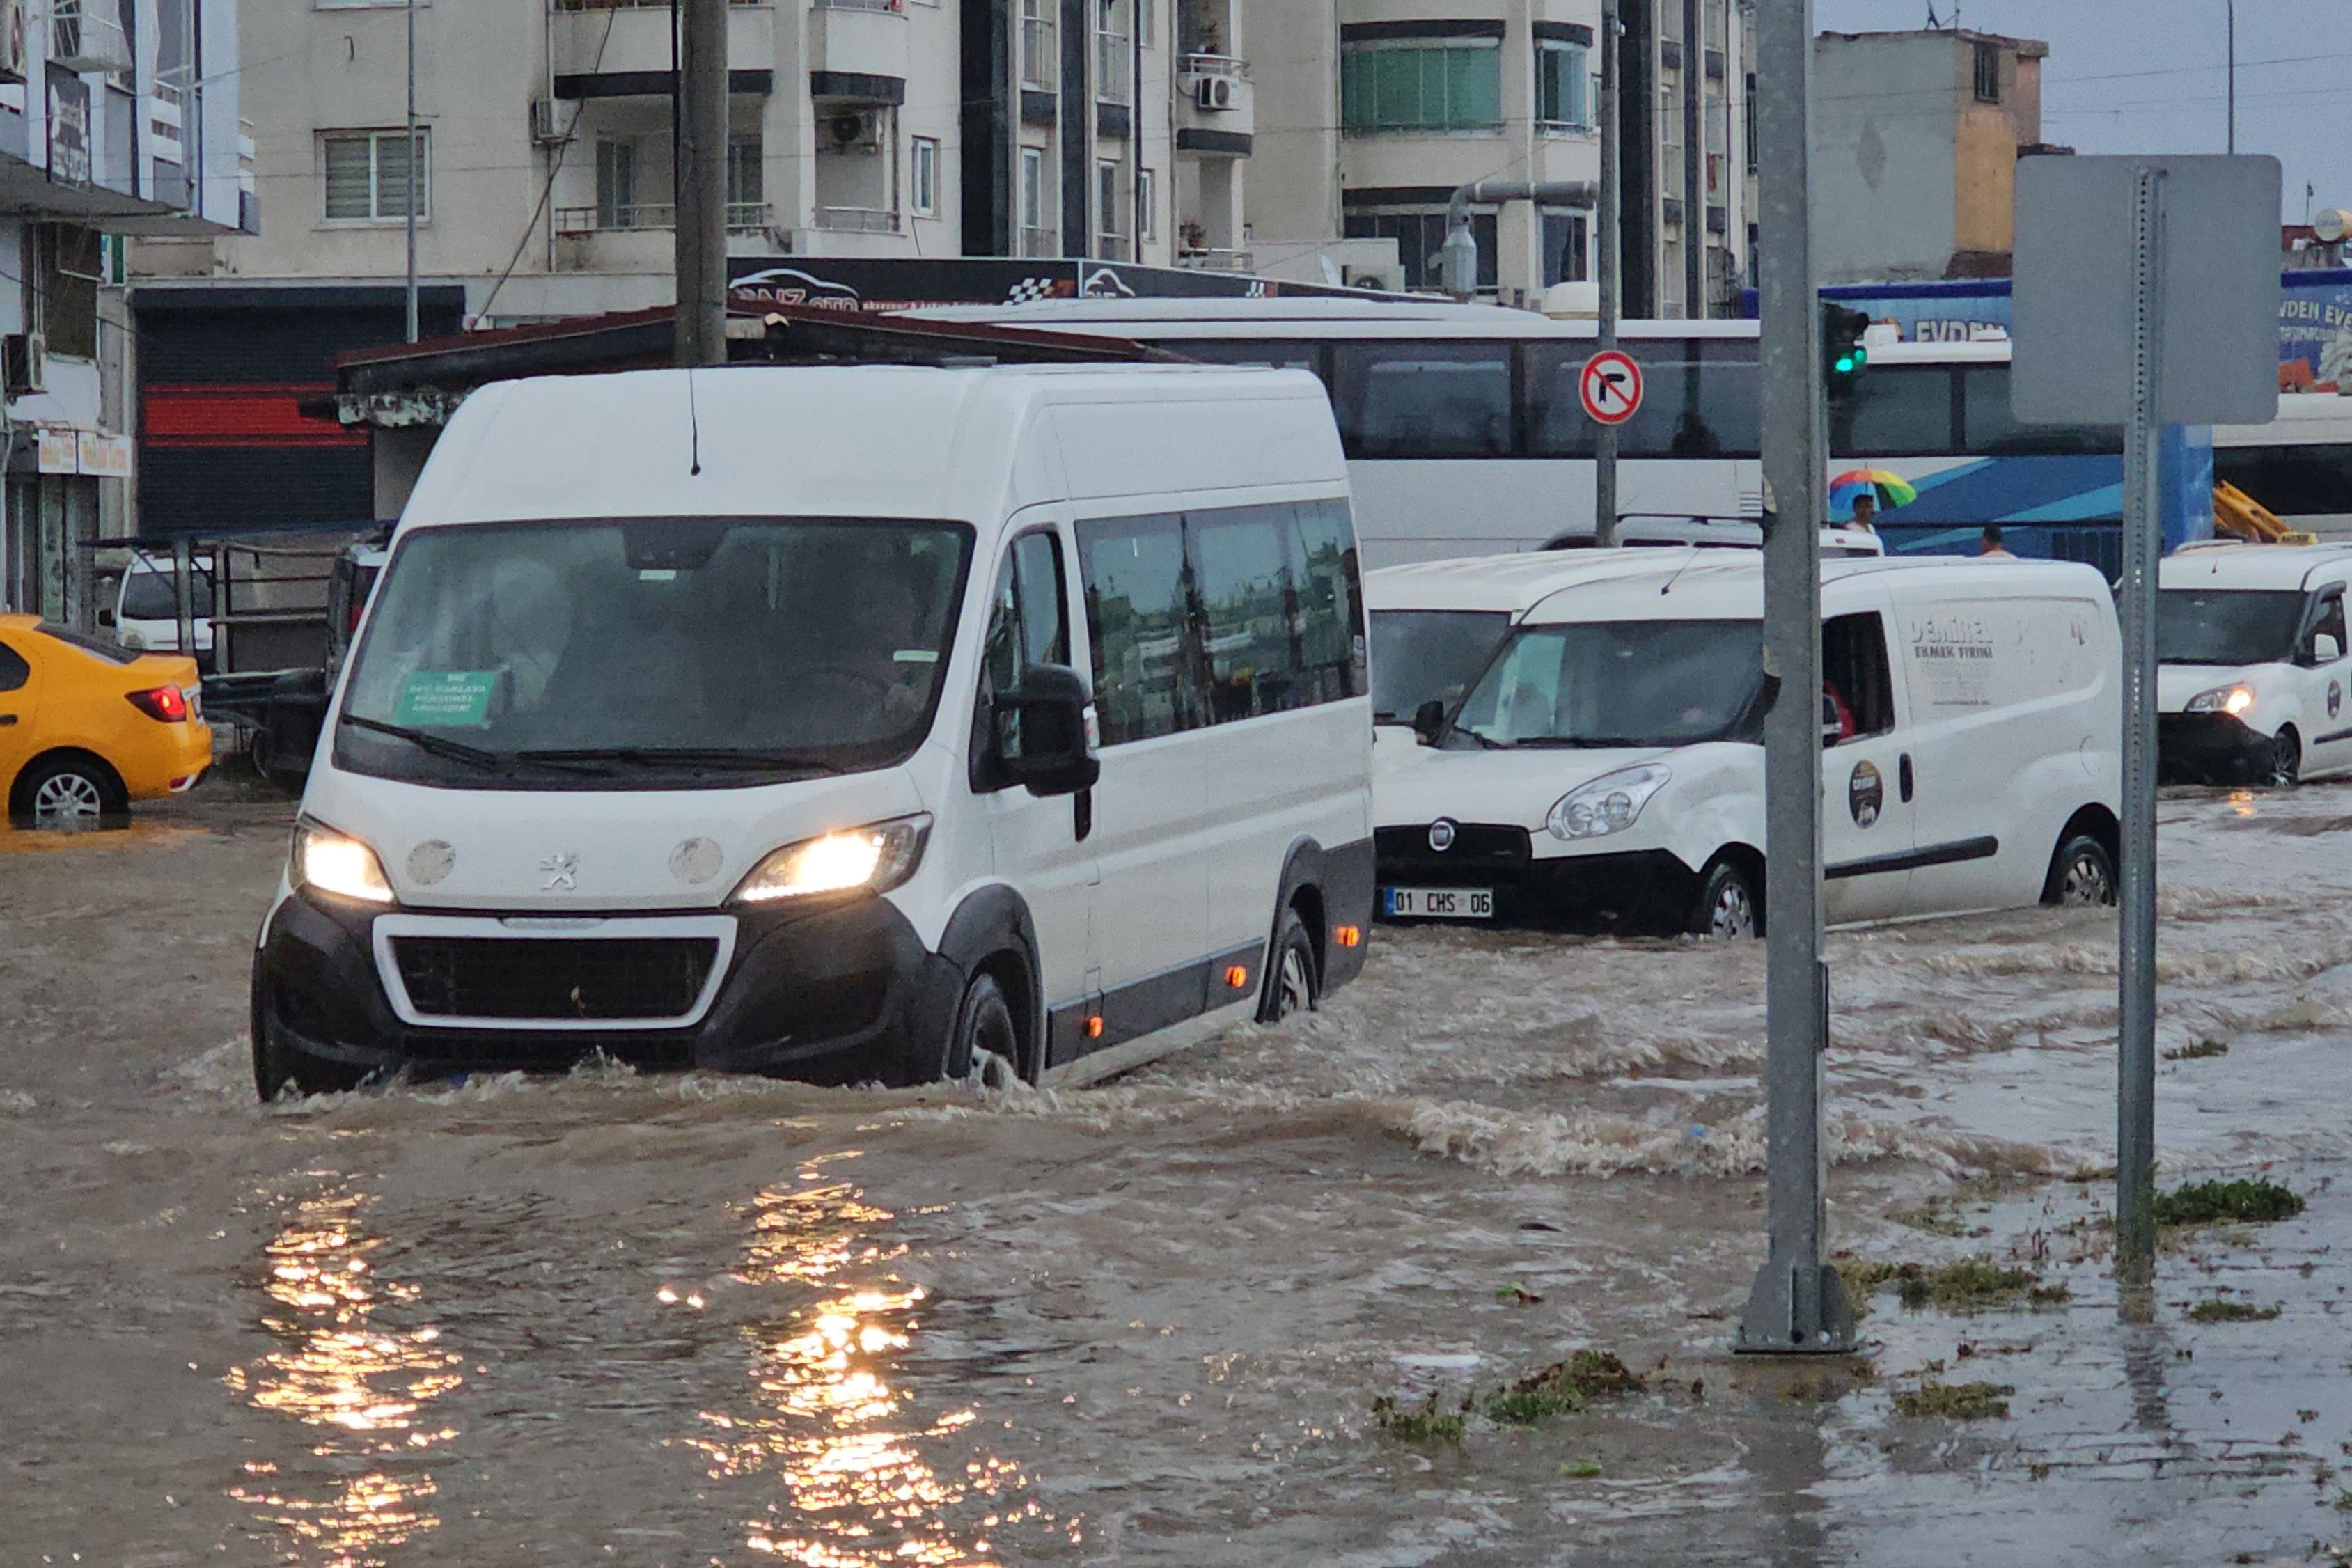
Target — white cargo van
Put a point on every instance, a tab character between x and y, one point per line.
1606	764
854	724
2252	664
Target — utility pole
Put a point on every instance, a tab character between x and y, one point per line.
2232	8
1604	467
413	181
701	182
1798	1304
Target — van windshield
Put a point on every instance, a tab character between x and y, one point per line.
1428	656
153	594
1617	683
2215	625
653	653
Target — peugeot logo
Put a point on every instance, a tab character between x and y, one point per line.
562	871
1440	835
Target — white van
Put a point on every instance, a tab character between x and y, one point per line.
1606	764
735	718
146	610
2252	662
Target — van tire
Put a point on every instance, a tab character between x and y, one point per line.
985	1029
2082	875
68	784
1726	906
2286	759
1294	981
274	1068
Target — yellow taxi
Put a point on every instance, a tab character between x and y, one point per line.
86	727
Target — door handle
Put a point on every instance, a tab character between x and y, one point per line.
6	719
1902	777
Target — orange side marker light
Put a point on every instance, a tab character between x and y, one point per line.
1237	977
1348	936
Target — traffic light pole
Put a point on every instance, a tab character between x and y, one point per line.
1799	1303
1604	468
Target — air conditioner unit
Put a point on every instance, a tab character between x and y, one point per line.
1213	92
858	131
22	355
546	127
82	37
12	40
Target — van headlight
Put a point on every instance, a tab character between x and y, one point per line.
872	859
1610	803
336	863
2231	700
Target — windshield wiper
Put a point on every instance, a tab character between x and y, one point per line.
459	751
683	757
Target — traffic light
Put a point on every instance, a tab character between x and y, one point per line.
1844	354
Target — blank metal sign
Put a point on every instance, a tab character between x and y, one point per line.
2219	291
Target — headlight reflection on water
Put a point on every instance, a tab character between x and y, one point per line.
857	1463
366	1389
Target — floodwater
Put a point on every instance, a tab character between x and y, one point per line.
693	1320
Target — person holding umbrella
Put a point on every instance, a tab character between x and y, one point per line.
1862	493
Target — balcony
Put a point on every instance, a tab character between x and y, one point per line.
640	218
855	41
857	220
621	48
1205	258
1216	112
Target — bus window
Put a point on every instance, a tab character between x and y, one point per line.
1989	429
1896	411
1251	351
1423	400
1699	399
2312	480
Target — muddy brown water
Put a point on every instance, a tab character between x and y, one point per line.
702	1321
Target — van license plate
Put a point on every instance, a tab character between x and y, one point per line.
1438	903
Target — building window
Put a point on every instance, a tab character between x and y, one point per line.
1418	234
616	182
1747	117
1107	214
1036	239
1147	23
367	174
1568	243
1039	52
747	198
1988	73
1561	73
1420	86
1146	202
67	265
926	176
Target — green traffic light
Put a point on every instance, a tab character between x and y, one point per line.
1847	365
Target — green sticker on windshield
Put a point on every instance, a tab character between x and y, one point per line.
446	699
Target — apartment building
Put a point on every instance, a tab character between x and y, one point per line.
1371	112
117	117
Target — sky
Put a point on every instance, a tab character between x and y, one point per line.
2148	75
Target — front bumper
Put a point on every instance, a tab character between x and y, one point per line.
844	994
2216	748
1647	890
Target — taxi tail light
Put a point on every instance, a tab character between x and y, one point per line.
167	704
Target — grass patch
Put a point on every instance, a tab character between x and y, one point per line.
2198	1051
1973	1284
1957	1401
1421	1423
2208	1203
1563	1386
1937	1221
2225	1311
1582	1470
2343	1502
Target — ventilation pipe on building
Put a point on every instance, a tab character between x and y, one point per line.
1458	258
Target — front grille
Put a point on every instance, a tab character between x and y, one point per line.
613	978
1478	849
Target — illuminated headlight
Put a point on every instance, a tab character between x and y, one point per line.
1610	803
2231	700
337	863
860	860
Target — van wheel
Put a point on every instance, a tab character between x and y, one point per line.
1292	983
68	791
2082	875
985	1043
2286	759
1725	907
276	1065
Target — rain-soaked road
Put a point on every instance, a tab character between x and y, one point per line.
704	1321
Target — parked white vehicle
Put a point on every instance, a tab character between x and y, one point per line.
2252	662
736	719
146	610
1604	763
1839	542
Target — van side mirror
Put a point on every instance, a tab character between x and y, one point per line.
1041	731
106	614
1429	721
2324	649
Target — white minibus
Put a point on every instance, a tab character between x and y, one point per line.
2252	662
851	724
1606	764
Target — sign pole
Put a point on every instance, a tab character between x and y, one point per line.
1604	468
1798	1304
2143	547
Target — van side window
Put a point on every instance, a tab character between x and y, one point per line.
2327	622
1855	671
1248	629
1138	616
1331	604
1028	624
14	673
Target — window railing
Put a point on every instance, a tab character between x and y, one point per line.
858	220
1111	246
1196	63
1039	54
629	4
1210	259
626	217
1112	83
1564	127
1039	242
896	6
748	217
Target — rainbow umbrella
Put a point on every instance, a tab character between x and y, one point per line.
1890	490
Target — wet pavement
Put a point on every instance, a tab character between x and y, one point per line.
700	1320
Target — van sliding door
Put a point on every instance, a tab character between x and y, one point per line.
1868	839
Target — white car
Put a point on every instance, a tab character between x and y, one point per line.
2252	671
146	610
1605	762
845	723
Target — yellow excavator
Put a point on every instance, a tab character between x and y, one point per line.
2241	516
